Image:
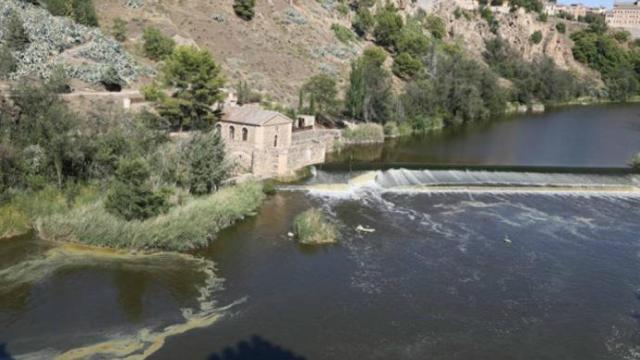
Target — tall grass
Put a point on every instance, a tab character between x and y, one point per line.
635	162
21	210
364	133
312	227
184	227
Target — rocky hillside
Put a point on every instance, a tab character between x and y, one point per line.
516	29
85	53
287	41
284	44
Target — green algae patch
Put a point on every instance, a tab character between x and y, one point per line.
185	227
313	228
142	342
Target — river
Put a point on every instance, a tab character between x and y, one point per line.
463	264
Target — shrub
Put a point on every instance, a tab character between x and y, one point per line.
536	37
8	63
343	34
111	80
363	22
436	26
130	196
561	27
406	66
119	29
244	9
186	227
312	228
17	38
156	45
622	36
543	17
364	133
82	11
393	129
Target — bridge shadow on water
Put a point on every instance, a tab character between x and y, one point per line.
254	349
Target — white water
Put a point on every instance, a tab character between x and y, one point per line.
454	181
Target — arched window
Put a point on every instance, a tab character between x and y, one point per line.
275	141
232	132
300	123
219	127
245	134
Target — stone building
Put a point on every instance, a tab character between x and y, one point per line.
624	14
269	144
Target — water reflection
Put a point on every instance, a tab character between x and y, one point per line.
593	136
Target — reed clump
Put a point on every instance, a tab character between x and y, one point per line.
364	133
20	210
184	227
313	228
635	162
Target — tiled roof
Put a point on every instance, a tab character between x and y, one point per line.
251	115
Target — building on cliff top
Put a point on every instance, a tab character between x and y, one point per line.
269	144
625	15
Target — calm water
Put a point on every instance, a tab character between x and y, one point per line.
594	136
435	281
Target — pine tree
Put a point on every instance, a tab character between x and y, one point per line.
130	197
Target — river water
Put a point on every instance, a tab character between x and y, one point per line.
517	264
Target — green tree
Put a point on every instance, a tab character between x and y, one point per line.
244	9
363	21
197	81
119	29
130	196
207	164
561	27
388	26
436	26
17	38
156	45
320	92
246	95
369	94
44	120
411	40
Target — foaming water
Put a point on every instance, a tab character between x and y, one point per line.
460	181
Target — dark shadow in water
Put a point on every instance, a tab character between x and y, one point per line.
4	353
254	349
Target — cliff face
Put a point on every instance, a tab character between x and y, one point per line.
516	29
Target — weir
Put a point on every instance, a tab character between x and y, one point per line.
620	180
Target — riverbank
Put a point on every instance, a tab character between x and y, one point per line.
185	227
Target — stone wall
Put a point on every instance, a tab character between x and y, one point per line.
294	151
